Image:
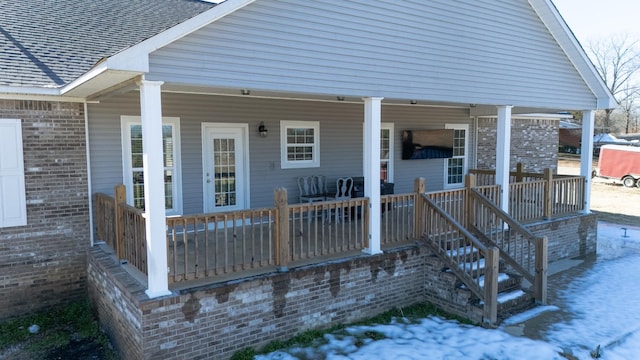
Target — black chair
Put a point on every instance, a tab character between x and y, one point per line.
386	189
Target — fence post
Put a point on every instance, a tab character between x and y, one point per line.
541	270
469	214
419	188
519	171
120	196
490	310
548	193
282	228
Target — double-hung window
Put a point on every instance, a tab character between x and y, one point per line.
13	205
386	152
300	144
456	166
132	162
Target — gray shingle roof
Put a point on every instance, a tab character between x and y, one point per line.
46	43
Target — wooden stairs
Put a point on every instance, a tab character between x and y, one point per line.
482	243
513	294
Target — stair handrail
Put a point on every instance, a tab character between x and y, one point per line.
537	277
464	271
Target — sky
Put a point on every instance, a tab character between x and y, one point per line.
592	20
611	279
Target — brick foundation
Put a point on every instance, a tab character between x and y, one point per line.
215	321
562	234
43	264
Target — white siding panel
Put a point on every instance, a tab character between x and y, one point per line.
485	52
13	206
340	141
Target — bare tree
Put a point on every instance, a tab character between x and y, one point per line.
617	59
628	105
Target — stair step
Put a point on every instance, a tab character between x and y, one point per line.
502	277
508	296
505	297
467	250
470	266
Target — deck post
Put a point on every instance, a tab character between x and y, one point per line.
586	157
490	310
154	194
120	196
419	188
503	154
519	171
541	270
548	193
371	169
282	228
469	213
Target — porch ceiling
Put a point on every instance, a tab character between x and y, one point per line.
109	82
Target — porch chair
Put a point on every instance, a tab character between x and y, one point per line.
344	188
312	188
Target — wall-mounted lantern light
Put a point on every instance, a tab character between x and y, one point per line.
262	129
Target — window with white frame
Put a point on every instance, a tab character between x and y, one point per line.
132	163
456	166
386	152
13	204
300	144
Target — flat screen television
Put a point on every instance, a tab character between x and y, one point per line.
427	144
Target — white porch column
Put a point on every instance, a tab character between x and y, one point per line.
371	168
503	154
153	167
586	155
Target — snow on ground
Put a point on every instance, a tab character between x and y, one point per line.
603	302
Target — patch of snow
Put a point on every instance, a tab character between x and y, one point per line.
529	314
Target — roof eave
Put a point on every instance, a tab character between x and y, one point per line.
559	29
136	57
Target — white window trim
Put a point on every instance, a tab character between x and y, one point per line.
284	162
12	178
465	164
390	163
125	123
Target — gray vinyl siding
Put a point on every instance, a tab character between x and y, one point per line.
340	141
484	52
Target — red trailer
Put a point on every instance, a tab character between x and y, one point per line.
620	162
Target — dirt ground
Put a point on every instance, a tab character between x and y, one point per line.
610	200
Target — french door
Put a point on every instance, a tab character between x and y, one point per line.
225	167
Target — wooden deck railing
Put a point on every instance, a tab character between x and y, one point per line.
105	219
536	196
488	177
201	246
319	229
133	242
208	245
397	224
527	200
568	194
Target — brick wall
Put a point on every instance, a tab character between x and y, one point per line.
215	321
534	142
44	263
568	237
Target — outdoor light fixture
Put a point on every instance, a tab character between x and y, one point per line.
262	129
245	92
